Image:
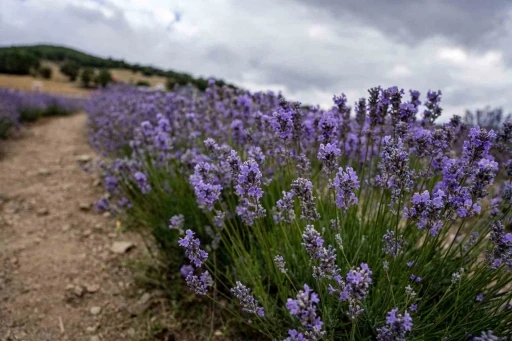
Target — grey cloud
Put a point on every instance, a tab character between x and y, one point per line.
298	79
467	22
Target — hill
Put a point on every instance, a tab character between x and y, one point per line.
21	60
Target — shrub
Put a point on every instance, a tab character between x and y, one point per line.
143	83
45	72
315	224
70	69
87	77
103	78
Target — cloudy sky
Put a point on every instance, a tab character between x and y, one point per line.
308	49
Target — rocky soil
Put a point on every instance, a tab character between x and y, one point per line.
62	265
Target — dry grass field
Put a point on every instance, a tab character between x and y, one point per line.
59	84
28	83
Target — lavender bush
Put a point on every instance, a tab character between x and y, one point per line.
363	223
19	106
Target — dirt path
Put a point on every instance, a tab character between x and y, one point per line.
59	278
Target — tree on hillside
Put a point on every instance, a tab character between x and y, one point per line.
70	69
18	62
103	78
87	77
45	72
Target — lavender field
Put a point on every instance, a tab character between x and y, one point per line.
365	221
19	106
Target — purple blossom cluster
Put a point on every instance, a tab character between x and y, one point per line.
501	252
192	249
345	183
197	256
397	326
248	189
205	185
324	257
304	308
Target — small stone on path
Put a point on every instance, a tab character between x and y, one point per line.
84	158
92	288
78	290
42	211
85	206
95	310
44	171
121	247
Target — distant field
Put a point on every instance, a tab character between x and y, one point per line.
28	83
59	84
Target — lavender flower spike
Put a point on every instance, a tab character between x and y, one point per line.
303	188
396	326
345	183
247	301
304	308
193	251
200	284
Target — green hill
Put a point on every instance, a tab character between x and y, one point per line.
22	59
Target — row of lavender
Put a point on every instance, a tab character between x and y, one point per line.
363	223
19	106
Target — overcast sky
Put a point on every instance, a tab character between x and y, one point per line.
308	49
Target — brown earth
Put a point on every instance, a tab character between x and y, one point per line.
60	84
59	278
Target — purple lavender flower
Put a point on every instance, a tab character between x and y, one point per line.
303	188
280	264
219	218
142	182
304	308
282	123
192	249
358	282
200	284
295	336
413	307
177	222
394	172
247	301
124	202
427	210
487	336
327	126
484	175
248	188
345	183
102	205
501	252
235	163
479	297
205	185
433	110
396	327
284	210
478	145
186	270
326	257
392	245
328	154
111	183
415	278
